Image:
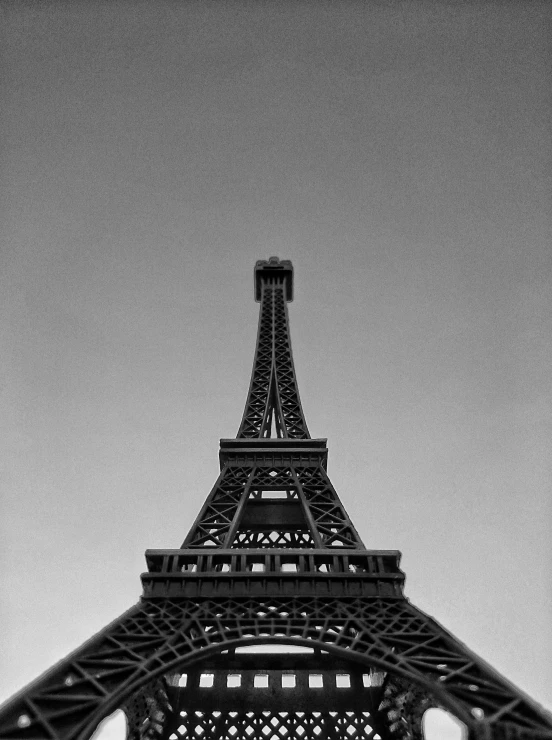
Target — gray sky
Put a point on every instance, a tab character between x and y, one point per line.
399	154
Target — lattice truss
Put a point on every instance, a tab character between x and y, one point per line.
267	725
261	506
273	399
158	637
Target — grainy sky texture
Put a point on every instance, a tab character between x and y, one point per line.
399	154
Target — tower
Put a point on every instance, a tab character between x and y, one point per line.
272	560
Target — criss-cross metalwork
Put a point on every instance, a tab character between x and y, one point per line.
263	505
273	401
272	560
388	638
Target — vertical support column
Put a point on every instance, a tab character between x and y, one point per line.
256	406
307	512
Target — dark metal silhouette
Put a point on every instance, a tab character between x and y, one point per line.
272	558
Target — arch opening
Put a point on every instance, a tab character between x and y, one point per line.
438	724
113	727
376	667
225	643
280	691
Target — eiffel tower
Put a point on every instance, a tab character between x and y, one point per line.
272	560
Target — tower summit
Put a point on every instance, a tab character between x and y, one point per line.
273	400
272	621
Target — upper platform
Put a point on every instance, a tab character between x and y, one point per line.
274	268
274	451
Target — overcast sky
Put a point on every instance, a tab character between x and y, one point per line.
399	155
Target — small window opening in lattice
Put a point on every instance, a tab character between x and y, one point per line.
258	567
316	681
324	567
343	681
183	681
373	679
206	680
273	647
260	681
281	494
289	567
222	567
288	681
233	680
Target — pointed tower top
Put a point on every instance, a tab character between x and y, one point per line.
273	408
274	268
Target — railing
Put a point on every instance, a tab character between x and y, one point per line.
188	562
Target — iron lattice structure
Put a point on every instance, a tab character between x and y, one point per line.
272	558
